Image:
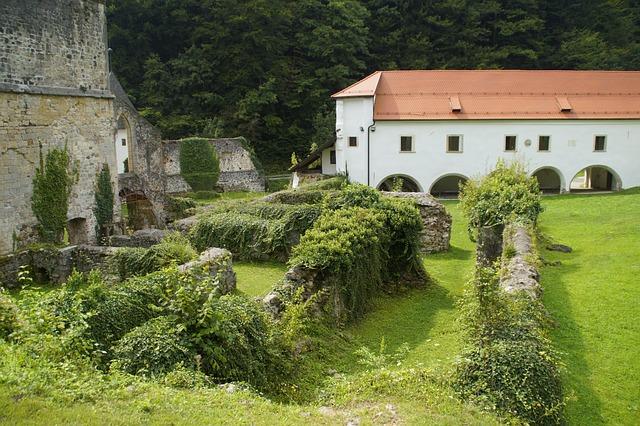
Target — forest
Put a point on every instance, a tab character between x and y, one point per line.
265	69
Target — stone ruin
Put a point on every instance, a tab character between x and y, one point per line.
56	91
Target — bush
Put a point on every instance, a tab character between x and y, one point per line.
180	207
505	194
104	199
509	364
134	261
199	164
254	231
354	195
154	348
336	182
203	195
51	189
298	196
8	316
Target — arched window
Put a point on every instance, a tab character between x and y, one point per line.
596	178
399	183
447	186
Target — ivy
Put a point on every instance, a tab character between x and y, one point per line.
103	210
199	164
51	189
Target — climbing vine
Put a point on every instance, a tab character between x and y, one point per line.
104	204
199	164
51	189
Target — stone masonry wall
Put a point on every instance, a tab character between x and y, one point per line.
237	171
83	124
53	93
53	44
436	232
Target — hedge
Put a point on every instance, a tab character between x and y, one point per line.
199	164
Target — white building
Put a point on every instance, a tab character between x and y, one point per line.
436	128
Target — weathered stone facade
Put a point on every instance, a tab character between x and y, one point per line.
436	231
237	170
520	273
53	93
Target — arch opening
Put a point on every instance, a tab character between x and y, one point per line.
399	183
77	231
594	179
124	146
549	180
448	186
137	210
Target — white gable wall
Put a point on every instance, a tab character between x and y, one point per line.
571	146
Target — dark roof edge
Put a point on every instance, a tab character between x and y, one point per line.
313	156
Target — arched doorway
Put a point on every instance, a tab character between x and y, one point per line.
399	183
549	180
447	186
124	145
137	210
595	178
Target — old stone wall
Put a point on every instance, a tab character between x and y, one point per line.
31	125
53	93
237	170
520	272
436	232
53	45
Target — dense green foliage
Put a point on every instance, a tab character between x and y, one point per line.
8	316
180	207
133	261
103	210
362	244
153	349
505	194
51	189
258	231
199	164
509	365
266	69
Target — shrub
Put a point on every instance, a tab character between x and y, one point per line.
336	182
235	337
9	321
256	230
153	348
505	194
51	189
103	210
203	195
509	364
133	261
298	196
180	207
354	195
199	164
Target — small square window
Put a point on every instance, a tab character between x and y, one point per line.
454	143
353	141
600	143
510	143
124	142
332	156
543	143
406	143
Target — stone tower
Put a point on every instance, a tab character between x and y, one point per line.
54	91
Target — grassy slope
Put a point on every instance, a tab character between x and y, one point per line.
258	278
594	297
425	319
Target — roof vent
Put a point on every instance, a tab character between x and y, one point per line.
564	104
454	101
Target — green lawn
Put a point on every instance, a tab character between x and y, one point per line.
594	296
257	279
425	318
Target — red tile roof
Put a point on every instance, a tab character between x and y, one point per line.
500	94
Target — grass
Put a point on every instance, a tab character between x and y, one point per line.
257	279
594	297
425	318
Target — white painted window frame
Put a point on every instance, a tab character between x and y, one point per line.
542	150
606	142
504	143
413	144
460	144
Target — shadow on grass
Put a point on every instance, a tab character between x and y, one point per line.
568	339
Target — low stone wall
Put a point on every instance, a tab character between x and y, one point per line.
436	233
215	263
141	238
520	273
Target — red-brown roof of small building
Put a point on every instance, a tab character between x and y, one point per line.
500	94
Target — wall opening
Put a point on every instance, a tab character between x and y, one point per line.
77	230
137	210
399	183
595	178
549	180
447	186
124	146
